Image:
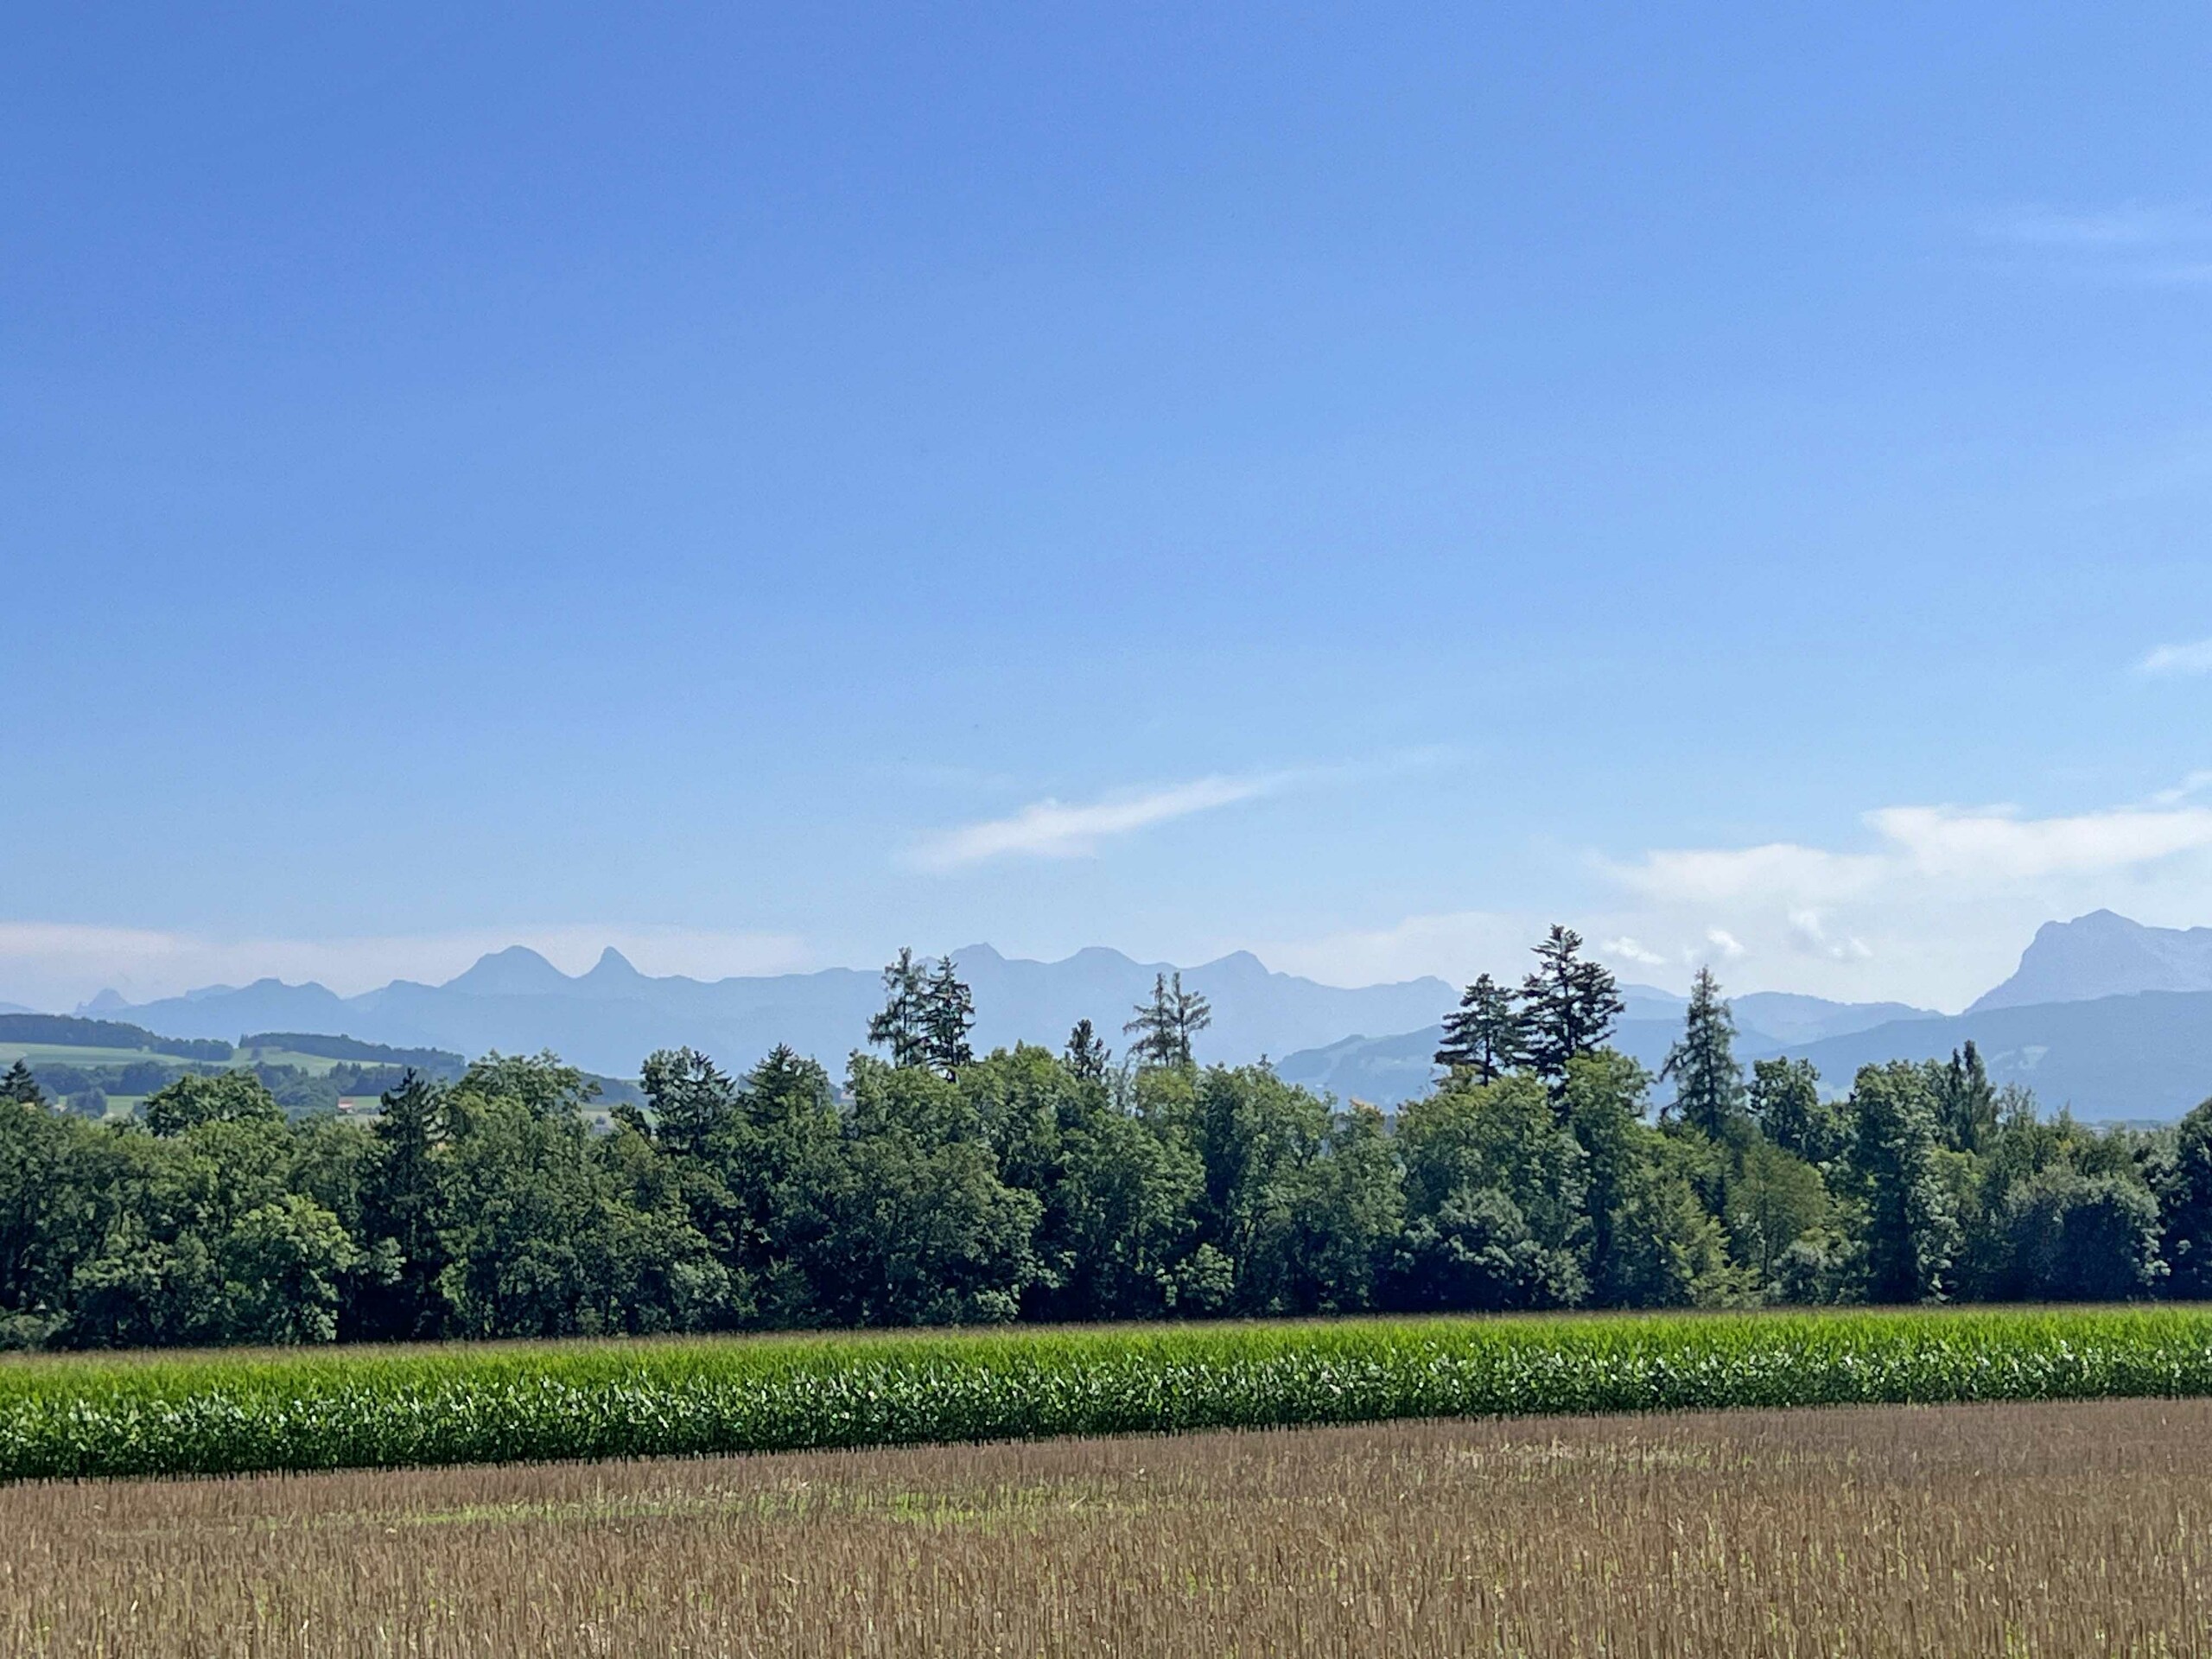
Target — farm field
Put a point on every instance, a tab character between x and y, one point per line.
2070	1528
71	1054
361	1407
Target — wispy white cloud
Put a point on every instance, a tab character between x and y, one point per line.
1055	829
2136	244
1997	844
2175	662
1052	828
1714	875
1932	907
2132	224
2195	783
1966	847
1935	907
1806	932
1726	943
1451	944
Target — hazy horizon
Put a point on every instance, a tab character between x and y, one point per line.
573	954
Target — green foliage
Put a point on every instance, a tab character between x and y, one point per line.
1164	1025
901	1026
554	1231
43	1220
920	1227
1896	1171
2077	1237
1119	1190
1570	1005
228	1096
1087	1055
1966	1104
947	1015
281	1264
1709	1094
1496	1189
1785	1102
20	1086
1650	1242
77	1418
2186	1202
1771	1202
1485	1035
694	1105
2057	1213
70	1031
405	1200
944	1188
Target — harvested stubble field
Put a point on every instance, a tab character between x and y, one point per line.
1999	1529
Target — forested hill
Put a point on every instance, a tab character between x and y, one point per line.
2146	1057
66	1031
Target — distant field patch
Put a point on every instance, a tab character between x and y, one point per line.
360	1407
38	1054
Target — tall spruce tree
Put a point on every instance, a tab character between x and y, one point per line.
20	1085
1708	1083
1483	1036
405	1199
1166	1023
1153	1027
1193	1014
694	1102
1571	1004
947	1015
1087	1055
902	1025
1968	1101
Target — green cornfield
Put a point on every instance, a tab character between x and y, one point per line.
219	1414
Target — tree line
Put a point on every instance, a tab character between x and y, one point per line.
931	1185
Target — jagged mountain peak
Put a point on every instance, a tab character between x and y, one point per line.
2104	954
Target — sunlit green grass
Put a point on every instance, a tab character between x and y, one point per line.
359	1408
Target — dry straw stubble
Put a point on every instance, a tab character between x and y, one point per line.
1997	1530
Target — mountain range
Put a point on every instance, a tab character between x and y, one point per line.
1388	1069
610	1017
2104	954
2102	1014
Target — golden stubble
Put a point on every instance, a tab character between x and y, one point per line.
2078	1528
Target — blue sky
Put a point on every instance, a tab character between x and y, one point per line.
762	486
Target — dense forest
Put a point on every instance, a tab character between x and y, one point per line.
934	1186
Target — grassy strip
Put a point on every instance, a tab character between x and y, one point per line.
357	1408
